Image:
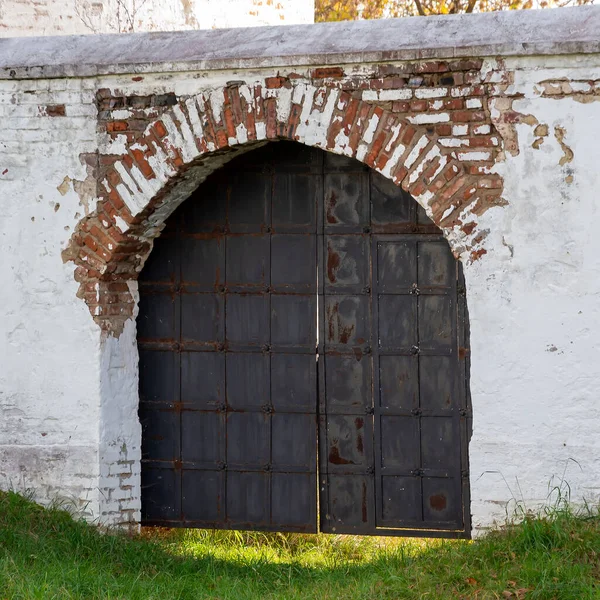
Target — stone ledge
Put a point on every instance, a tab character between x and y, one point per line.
512	33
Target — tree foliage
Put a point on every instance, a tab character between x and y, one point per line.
348	10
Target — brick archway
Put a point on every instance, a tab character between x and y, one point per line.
187	138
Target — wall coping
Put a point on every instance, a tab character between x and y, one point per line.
512	33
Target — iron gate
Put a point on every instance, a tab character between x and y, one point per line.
302	344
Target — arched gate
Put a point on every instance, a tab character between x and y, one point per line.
303	356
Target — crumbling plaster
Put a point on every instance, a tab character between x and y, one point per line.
68	394
533	306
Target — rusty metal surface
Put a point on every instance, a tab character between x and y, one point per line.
393	407
227	336
285	253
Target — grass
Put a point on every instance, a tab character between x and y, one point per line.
44	553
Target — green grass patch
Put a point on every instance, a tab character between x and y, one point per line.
44	553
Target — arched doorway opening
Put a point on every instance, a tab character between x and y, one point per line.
303	355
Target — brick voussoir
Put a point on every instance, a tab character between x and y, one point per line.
110	245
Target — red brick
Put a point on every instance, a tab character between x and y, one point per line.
221	139
276	82
116	126
327	72
143	164
454	104
159	129
55	110
229	122
431	67
444	129
408	134
464	116
419	105
400	106
236	104
376	147
356	131
481	141
113	178
271	109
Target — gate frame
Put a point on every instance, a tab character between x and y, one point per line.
161	165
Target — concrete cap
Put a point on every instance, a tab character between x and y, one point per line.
510	33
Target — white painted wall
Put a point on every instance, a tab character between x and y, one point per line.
49	368
70	17
68	397
534	303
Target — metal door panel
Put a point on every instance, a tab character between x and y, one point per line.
202	263
161	432
437	266
248	499
159	376
293	500
247	321
202	497
348	382
347	264
398	383
399	444
436	322
392	209
205	210
351	506
438	378
293	263
247	380
158	319
293	441
248	440
349	443
202	318
441	505
202	379
162	495
346	201
439	451
401	311
249	202
202	438
248	258
401	501
295	198
396	266
293	322
347	322
162	263
293	382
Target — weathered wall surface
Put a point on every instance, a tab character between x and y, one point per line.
49	379
80	17
526	127
533	301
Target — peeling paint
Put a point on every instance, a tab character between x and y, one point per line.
559	134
